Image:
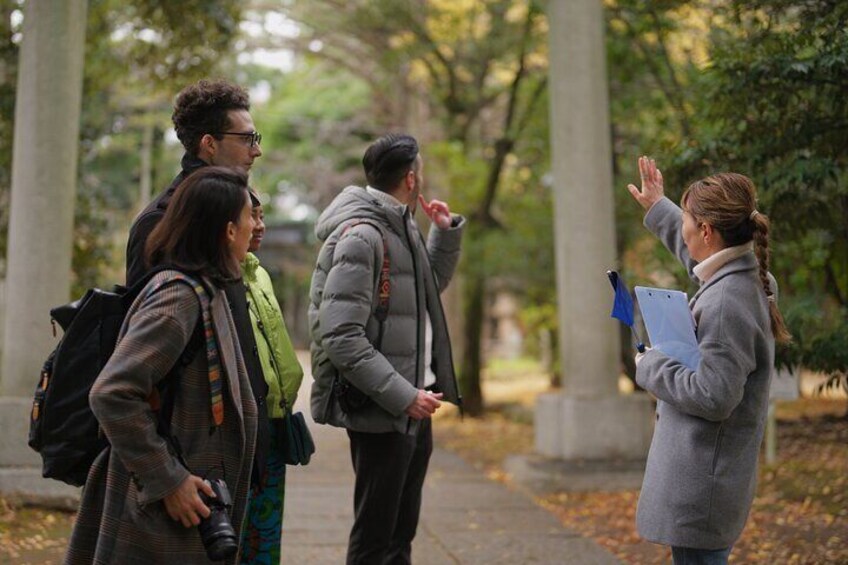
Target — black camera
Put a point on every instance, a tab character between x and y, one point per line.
216	531
350	398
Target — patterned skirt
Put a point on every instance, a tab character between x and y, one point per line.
263	528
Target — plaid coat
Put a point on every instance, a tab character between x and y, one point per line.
122	518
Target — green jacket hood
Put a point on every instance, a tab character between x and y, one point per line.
249	267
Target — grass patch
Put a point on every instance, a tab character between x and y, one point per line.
510	369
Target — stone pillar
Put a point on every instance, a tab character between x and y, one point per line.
44	174
589	419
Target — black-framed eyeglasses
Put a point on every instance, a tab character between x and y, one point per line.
254	137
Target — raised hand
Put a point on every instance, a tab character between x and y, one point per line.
437	211
652	184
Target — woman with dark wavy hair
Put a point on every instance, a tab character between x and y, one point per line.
174	400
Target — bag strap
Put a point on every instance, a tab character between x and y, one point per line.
216	396
384	288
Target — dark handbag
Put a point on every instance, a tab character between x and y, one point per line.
298	446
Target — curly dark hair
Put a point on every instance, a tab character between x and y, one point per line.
202	108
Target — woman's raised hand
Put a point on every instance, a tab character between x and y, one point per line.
652	184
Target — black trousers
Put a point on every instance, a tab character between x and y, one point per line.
390	470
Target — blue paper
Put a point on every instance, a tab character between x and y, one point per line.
670	324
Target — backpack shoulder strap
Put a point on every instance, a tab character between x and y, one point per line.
384	287
216	397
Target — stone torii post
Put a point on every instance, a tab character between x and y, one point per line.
44	176
589	419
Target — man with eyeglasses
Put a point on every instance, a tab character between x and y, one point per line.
212	121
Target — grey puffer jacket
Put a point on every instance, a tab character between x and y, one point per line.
344	299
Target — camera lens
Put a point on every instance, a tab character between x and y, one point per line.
218	536
216	532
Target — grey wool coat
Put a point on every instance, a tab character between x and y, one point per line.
344	299
122	517
702	466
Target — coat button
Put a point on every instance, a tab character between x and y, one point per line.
658	415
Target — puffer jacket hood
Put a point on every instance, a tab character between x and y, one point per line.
355	202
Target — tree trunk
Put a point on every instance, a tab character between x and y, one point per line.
474	287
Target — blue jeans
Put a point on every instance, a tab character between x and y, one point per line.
692	556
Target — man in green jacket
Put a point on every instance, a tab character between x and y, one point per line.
381	354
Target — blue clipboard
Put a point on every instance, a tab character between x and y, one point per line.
670	324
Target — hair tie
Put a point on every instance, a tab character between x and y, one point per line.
754	214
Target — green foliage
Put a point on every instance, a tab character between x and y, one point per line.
779	74
701	85
161	45
652	109
479	70
316	128
755	87
138	55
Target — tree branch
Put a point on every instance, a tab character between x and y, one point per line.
670	94
504	145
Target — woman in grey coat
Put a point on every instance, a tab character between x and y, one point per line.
702	466
141	500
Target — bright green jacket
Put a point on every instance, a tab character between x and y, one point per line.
280	366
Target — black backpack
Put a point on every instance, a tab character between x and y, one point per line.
62	428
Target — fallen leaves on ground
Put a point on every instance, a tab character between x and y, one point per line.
799	516
30	536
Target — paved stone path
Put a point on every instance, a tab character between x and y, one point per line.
466	518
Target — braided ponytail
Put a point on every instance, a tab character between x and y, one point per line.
761	249
727	201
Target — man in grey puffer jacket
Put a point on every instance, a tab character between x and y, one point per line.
381	354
